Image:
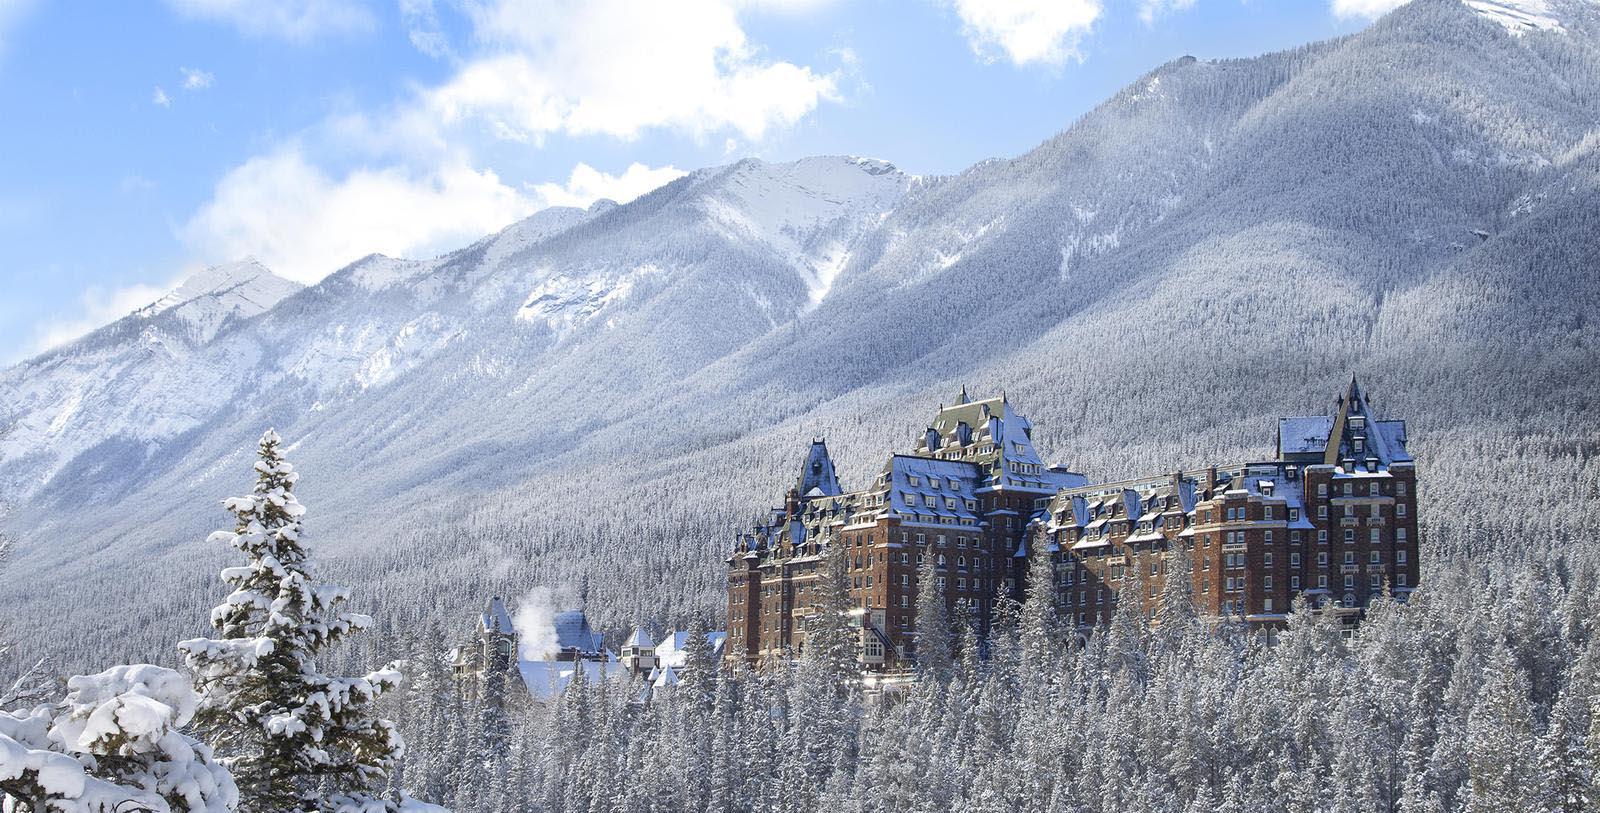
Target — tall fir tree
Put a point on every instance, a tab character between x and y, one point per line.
932	621
296	739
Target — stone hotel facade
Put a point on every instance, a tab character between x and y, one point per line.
1332	518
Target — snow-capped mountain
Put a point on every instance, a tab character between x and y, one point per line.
596	396
207	300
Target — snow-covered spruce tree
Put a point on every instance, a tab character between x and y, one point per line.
297	740
1039	626
112	744
933	621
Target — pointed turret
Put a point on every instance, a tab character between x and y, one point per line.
495	618
817	477
962	398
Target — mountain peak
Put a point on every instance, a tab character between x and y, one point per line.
245	282
208	298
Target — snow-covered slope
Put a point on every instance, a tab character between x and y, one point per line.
595	397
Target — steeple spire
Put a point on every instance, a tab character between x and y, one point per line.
962	398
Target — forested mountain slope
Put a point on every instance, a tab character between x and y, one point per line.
594	399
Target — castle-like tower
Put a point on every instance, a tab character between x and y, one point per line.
1331	518
481	666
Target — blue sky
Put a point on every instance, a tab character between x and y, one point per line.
144	140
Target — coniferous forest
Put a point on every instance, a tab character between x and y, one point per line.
593	402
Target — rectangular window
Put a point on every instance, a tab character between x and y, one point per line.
1400	556
1322	489
1322	581
1349	557
1267	537
1294	559
1400	580
1377	511
1294	582
1349	581
1266	582
1322	512
1375	582
1400	488
1322	559
1322	537
1349	536
1376	557
1266	605
1294	515
1266	558
1399	509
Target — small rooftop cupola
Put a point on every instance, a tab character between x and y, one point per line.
639	652
817	477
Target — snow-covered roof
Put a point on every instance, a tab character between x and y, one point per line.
664	677
546	679
639	639
931	487
817	477
495	618
670	651
573	632
1304	435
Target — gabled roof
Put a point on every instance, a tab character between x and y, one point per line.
639	639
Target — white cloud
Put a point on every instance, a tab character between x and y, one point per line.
295	20
587	185
303	224
616	68
1027	31
1149	10
196	79
160	97
97	307
1369	9
422	27
537	68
